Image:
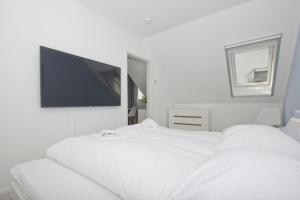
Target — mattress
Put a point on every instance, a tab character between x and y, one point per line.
45	179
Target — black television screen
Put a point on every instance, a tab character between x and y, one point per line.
70	81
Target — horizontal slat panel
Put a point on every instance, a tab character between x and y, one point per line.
203	113
189	127
190	120
190	124
188	116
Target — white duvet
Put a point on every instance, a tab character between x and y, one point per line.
162	164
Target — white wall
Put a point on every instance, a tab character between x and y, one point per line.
292	100
189	63
26	130
137	70
142	115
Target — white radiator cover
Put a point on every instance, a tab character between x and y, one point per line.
189	119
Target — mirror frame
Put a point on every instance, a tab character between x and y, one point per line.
254	89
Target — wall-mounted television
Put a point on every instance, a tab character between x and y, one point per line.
72	81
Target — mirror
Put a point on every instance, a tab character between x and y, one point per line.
252	66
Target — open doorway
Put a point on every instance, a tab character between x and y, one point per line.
137	90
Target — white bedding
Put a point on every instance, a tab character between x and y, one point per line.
241	174
47	180
142	164
163	164
259	137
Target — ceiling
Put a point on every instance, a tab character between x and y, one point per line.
165	14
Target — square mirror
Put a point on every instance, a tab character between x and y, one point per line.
252	66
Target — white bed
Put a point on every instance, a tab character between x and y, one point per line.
45	179
148	162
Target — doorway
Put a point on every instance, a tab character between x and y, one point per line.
137	89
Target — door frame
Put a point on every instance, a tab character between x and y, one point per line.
148	80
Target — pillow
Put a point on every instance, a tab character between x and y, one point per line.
260	137
293	129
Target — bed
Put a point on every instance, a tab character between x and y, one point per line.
45	179
148	162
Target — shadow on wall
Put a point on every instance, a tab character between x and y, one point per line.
292	99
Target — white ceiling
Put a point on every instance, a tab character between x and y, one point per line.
130	14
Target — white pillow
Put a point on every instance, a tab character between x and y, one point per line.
260	137
293	128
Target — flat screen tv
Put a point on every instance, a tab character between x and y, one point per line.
71	81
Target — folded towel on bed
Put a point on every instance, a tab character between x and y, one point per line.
109	134
149	124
